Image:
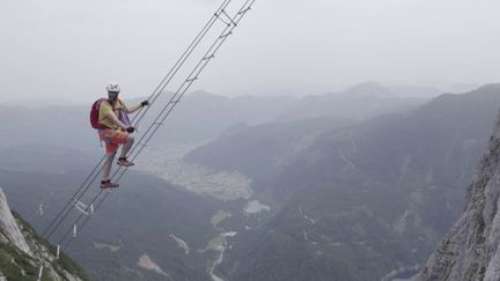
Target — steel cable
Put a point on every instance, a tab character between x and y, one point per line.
166	111
87	183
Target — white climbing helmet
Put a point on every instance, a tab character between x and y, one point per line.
113	87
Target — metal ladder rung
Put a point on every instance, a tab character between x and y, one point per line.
222	20
228	21
229	17
84	209
80	204
58	252
225	35
191	79
244	11
209	57
75	231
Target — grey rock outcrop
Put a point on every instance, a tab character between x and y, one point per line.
23	252
9	227
470	251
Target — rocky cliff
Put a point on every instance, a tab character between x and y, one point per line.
470	251
22	252
8	225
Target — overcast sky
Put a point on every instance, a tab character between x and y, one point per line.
68	50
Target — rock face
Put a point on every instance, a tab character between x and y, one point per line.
9	227
470	251
22	252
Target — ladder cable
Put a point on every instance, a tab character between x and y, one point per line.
82	190
161	117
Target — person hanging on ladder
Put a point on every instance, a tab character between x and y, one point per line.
110	118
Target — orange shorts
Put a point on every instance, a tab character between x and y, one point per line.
113	139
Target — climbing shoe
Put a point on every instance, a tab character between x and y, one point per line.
108	184
122	161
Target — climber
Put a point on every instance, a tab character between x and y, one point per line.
109	117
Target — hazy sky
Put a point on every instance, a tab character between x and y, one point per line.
66	49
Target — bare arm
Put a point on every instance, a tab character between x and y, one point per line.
133	108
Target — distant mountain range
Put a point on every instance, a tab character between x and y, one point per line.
358	103
349	192
200	116
361	202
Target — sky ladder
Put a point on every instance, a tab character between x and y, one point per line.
86	210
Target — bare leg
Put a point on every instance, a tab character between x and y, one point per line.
106	168
126	147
